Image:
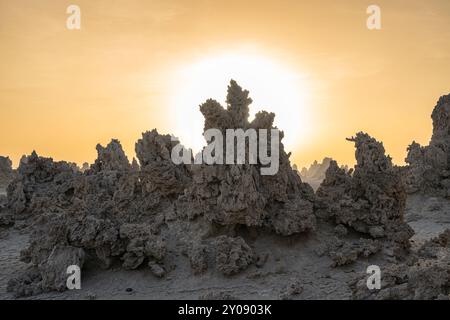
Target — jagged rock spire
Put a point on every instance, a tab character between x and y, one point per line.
370	153
234	116
371	200
238	103
111	157
441	121
6	171
429	166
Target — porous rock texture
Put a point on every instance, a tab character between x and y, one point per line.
6	172
371	199
233	255
49	274
41	186
428	169
344	252
158	173
117	212
108	213
424	276
216	221
231	195
6	176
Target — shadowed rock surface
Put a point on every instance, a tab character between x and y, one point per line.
6	173
108	212
231	195
371	199
117	212
6	176
424	276
429	166
218	231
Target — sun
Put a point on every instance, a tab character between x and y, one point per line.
273	87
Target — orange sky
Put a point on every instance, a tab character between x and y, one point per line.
62	91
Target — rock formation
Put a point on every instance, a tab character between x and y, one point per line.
429	167
41	185
158	173
425	276
85	167
6	172
6	176
231	195
152	213
346	252
315	174
111	158
371	199
106	213
115	211
233	255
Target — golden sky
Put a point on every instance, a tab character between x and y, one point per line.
135	63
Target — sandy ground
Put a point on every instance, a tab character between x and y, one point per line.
289	260
428	216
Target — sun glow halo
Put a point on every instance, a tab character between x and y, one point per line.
272	86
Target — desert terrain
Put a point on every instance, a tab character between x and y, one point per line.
151	229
